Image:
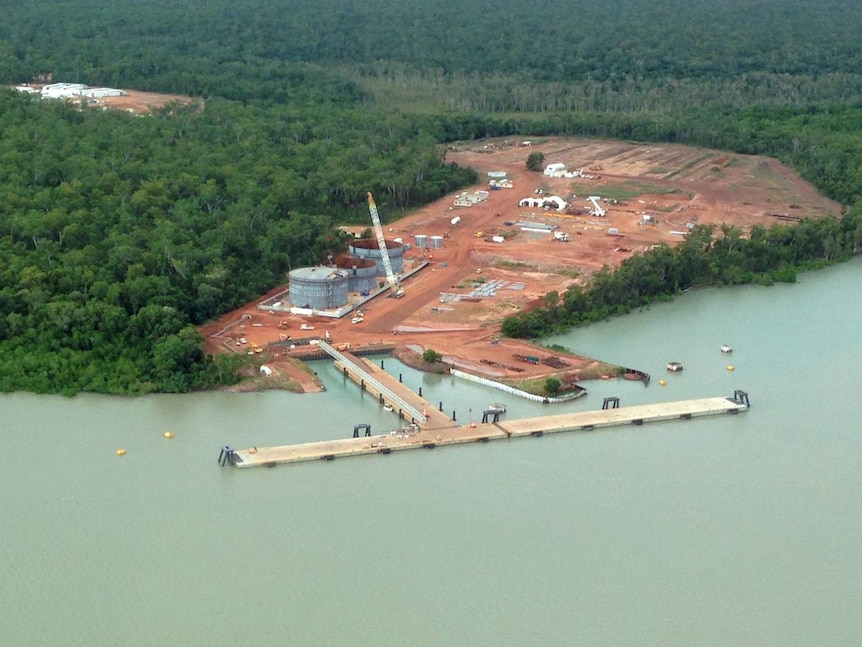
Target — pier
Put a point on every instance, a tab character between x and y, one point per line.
415	437
409	406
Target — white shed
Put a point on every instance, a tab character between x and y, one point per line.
555	168
62	90
555	202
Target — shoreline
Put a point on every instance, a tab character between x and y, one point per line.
301	379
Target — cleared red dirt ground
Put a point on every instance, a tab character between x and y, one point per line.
142	102
675	185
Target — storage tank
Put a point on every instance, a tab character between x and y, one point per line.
455	221
421	241
321	288
436	242
368	248
361	272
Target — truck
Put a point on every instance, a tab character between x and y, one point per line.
562	236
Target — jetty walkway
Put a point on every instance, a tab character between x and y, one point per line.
408	405
413	436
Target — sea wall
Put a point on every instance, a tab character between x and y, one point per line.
512	390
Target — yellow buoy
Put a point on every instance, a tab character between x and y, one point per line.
168	434
121	452
661	382
730	367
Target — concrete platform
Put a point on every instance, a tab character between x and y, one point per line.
586	420
414	437
382	444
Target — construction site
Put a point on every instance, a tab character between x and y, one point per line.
460	265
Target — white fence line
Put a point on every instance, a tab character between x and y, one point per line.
512	390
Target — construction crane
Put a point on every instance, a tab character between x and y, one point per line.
394	283
597	208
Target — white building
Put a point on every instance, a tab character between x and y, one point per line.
469	199
62	90
557	169
554	202
549	202
99	93
72	90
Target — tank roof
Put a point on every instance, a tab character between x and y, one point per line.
317	274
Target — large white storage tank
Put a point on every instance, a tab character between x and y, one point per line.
320	288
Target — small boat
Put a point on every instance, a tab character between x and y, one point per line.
388	407
497	406
674	366
726	349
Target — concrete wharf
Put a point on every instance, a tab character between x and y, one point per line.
415	437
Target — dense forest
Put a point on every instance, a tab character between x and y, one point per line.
119	233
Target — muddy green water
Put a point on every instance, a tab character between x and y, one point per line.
733	531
